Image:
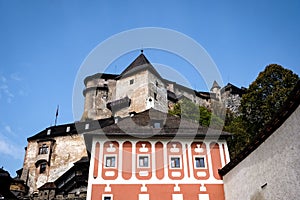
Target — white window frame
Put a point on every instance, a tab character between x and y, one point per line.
170	162
205	163
107	195
110	155
143	155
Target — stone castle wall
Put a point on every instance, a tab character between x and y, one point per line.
65	150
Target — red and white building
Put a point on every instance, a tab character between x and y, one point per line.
153	156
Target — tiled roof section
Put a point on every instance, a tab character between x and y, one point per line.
139	64
289	107
70	129
143	124
140	60
54	131
215	85
233	89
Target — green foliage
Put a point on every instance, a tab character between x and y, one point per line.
188	110
236	126
265	96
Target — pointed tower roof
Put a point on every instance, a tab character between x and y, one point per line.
215	85
140	63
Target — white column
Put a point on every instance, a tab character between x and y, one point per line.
120	168
166	163
191	160
210	167
221	154
100	159
134	159
226	153
153	160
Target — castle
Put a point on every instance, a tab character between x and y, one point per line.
127	146
140	87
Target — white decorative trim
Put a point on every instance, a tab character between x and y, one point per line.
109	173
177	196
143	196
201	174
190	160
143	149
176	188
174	149
226	153
144	188
120	168
210	168
203	197
202	188
221	154
111	148
176	174
153	164
184	160
107	188
133	150
165	160
199	149
144	173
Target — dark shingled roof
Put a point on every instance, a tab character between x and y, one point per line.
55	131
233	89
215	85
140	60
143	124
289	107
139	64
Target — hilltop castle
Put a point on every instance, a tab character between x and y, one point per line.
140	87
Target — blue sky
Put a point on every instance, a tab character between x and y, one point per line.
44	42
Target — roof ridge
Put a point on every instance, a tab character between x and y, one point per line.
140	60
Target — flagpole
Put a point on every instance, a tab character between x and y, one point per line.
56	115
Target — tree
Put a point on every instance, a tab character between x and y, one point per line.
186	109
265	96
240	138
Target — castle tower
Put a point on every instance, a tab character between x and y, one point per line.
138	88
216	89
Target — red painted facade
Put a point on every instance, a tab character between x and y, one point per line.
157	169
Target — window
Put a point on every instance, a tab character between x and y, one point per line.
199	162
110	161
156	125
43	149
175	162
107	197
155	96
131	81
43	167
143	161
